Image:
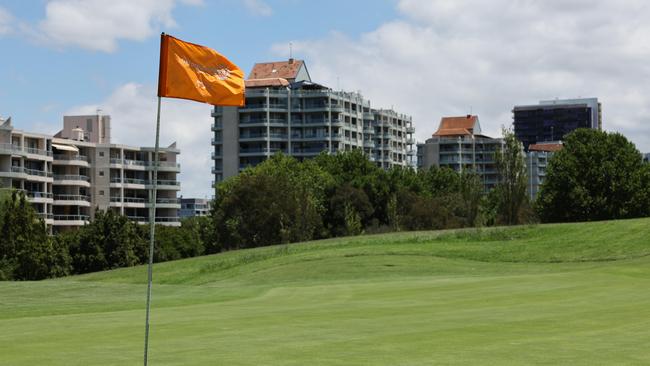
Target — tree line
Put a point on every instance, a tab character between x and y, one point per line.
596	176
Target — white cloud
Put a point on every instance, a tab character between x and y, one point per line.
5	21
133	122
447	57
98	25
258	7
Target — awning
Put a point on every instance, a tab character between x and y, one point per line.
65	147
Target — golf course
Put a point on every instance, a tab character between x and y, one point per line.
558	294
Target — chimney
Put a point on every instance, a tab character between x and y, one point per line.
469	116
290	60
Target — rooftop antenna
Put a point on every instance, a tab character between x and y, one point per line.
290	50
338	83
99	111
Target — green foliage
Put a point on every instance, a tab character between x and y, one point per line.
512	205
596	176
278	201
26	251
109	241
283	200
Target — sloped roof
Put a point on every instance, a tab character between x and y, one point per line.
252	83
545	147
281	69
457	126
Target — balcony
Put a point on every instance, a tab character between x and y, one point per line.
71	200
263	122
259	151
262	107
262	136
70	220
26	173
168	221
145	164
6	148
62	159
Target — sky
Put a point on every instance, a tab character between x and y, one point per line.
425	58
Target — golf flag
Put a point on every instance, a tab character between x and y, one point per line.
191	71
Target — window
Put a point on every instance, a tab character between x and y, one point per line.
89	125
101	173
101	154
101	193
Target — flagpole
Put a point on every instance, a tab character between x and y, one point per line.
152	232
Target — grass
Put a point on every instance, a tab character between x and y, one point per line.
573	294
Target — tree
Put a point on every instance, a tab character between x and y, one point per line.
26	250
278	201
349	212
109	241
596	176
511	199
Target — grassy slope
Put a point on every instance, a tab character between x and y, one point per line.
551	294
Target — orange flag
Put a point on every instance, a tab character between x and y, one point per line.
191	71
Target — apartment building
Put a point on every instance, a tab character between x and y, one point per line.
191	207
537	159
26	162
71	174
551	120
459	144
286	112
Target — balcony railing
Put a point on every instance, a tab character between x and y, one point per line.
71	177
40	173
145	163
158	219
261	150
71	197
70	157
23	149
33	194
71	217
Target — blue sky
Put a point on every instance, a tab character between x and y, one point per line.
41	82
425	58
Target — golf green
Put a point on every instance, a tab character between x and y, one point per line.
572	294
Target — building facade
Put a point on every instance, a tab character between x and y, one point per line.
191	207
286	112
458	144
537	159
551	120
71	174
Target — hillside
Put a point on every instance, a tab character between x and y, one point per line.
546	294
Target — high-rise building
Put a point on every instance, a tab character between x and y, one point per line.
191	207
71	174
459	144
551	120
646	158
537	159
285	111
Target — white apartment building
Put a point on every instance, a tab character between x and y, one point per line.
286	112
71	174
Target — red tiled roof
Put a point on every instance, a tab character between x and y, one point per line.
282	69
545	147
456	126
252	83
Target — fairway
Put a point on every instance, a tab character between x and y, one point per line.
571	294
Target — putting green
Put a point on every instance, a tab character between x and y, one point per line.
575	294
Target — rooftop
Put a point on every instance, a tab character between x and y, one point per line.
548	147
458	126
280	69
